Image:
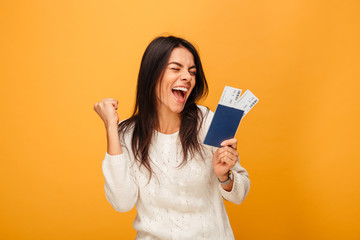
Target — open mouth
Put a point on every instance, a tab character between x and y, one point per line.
179	93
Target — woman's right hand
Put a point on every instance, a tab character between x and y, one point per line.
106	109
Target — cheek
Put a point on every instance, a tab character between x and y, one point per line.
164	92
193	83
160	90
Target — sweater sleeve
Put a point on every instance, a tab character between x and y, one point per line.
121	188
241	185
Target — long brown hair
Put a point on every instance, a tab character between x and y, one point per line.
144	116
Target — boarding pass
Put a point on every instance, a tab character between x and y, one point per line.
231	97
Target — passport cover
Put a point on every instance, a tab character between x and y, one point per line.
224	125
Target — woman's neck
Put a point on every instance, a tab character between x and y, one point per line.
169	122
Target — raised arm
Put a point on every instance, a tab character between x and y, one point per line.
106	109
121	189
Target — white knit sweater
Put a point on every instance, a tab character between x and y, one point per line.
178	202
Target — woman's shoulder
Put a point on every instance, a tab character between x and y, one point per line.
205	111
206	115
126	128
203	108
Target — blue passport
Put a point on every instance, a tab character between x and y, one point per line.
224	125
231	109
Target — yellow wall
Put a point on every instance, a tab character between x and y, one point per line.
300	144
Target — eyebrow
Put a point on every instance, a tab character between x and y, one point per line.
180	65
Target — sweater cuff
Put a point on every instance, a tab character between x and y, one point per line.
113	159
238	191
227	194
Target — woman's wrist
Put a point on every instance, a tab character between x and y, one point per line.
113	141
224	177
111	126
227	178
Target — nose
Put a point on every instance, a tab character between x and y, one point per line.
185	76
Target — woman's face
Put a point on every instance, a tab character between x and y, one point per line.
178	81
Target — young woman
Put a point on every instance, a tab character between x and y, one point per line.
156	161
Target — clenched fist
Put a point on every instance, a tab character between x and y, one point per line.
106	109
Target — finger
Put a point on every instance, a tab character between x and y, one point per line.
217	154
233	156
216	158
220	150
106	100
228	162
228	149
230	152
115	103
230	142
97	107
111	101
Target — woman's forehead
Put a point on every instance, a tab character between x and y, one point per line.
181	55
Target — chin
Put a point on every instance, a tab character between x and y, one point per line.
178	109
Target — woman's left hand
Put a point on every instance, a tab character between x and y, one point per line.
225	158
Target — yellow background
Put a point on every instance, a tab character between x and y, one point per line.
300	143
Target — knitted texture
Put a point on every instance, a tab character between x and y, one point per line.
178	202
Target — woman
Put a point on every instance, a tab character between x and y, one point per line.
156	160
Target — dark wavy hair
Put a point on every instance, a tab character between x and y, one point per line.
144	118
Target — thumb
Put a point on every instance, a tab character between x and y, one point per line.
115	104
